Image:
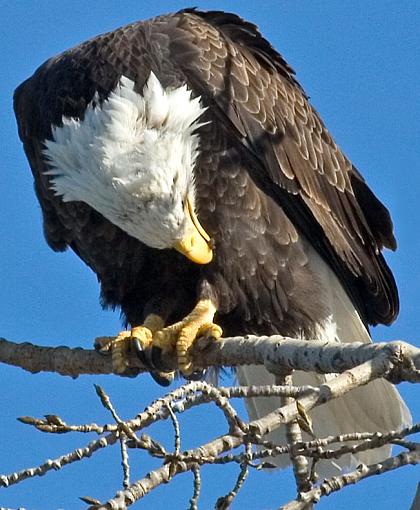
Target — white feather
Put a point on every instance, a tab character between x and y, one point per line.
374	407
131	158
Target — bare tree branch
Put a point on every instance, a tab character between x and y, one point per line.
357	364
197	487
315	356
224	502
338	482
340	385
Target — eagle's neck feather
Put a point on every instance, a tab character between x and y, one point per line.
131	158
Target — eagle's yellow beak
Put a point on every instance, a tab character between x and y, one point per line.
196	245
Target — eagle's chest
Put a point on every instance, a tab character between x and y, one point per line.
261	269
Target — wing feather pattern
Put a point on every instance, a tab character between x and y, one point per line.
296	161
255	97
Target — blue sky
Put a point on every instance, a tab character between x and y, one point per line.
359	63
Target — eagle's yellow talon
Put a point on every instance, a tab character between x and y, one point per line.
165	339
187	337
120	345
179	336
119	349
144	335
210	330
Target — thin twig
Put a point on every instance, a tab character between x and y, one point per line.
224	502
195	399
125	461
334	388
124	428
196	393
43	425
223	404
294	435
195	468
177	434
59	462
338	482
268	390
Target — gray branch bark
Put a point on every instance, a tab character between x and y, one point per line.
358	364
317	356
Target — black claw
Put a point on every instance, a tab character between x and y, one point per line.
130	372
163	378
137	345
156	360
143	355
156	356
151	358
102	348
197	375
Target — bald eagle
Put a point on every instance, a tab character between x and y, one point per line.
180	159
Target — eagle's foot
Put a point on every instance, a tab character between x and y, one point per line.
121	345
181	335
140	338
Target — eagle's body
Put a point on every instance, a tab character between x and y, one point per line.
297	232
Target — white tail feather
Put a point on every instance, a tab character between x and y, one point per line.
371	408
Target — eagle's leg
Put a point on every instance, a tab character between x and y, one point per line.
120	345
181	335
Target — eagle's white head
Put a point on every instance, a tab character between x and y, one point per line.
132	159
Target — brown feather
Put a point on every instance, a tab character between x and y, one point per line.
269	179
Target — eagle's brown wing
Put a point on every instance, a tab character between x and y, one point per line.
64	86
254	92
